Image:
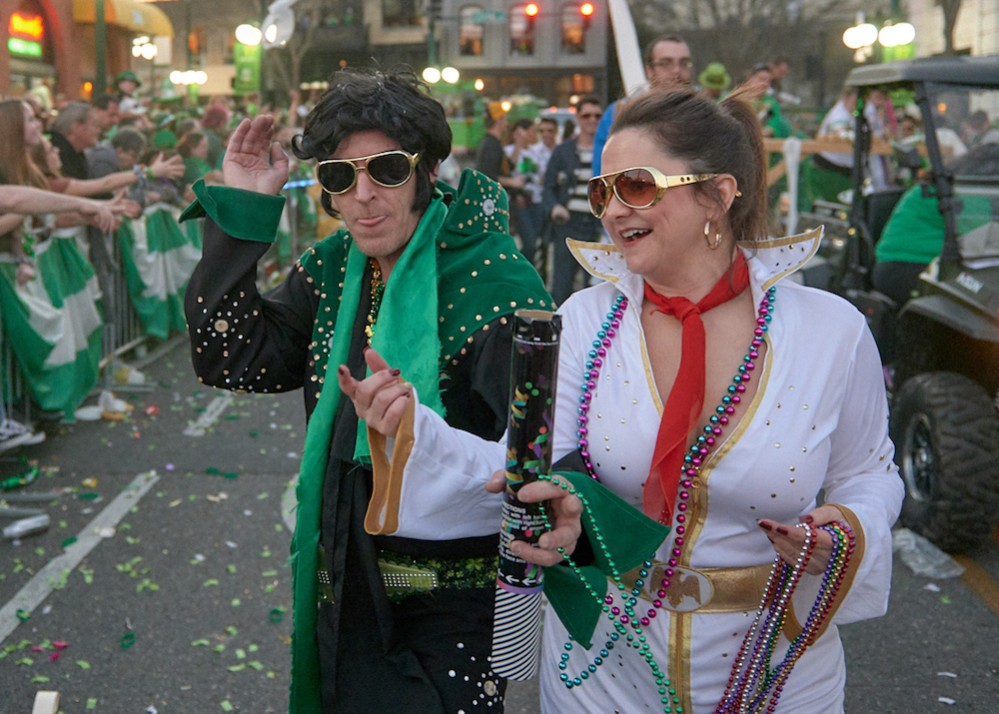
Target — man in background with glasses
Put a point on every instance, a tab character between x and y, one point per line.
564	197
667	66
390	614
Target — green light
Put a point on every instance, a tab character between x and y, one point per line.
26	48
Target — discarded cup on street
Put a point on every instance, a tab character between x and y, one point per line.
27	526
922	557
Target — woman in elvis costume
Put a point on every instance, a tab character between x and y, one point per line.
724	431
428	276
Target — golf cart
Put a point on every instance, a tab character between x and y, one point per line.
940	346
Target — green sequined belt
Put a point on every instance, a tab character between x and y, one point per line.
403	575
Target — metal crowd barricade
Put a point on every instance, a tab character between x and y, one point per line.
122	333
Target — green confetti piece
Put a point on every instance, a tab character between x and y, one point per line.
23	615
127	640
269	573
226	706
232	631
255	665
236	602
39	679
231	475
218	649
265	553
89	496
91	704
146	584
25	662
252	648
68	542
201	643
236	667
276	615
254	434
262	496
88	575
231	417
240	653
945	599
83	664
230	569
210	583
131	540
213	471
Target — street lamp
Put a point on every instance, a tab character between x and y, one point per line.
249	35
861	38
191	79
144	48
433	75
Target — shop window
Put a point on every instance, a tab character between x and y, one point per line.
521	26
470	31
400	13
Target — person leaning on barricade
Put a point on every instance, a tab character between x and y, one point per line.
427	275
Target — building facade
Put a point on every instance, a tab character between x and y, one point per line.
52	43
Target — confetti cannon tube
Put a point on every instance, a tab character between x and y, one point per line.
534	374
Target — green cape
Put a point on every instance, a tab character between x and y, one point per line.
463	248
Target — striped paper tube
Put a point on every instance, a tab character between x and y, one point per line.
533	377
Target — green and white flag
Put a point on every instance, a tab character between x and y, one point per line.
158	258
53	323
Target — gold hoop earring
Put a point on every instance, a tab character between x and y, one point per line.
712	245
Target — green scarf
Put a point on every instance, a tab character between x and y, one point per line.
460	271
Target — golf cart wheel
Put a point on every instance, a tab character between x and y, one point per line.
946	436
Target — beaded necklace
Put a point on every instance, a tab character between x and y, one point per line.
377	290
752	680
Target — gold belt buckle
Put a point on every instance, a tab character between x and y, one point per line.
708	590
400	579
689	589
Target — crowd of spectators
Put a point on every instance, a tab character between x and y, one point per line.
135	162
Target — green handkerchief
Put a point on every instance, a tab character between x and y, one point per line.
615	529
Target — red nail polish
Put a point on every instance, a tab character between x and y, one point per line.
807	519
342	371
764	526
782	530
395	372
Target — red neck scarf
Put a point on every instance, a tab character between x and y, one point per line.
686	398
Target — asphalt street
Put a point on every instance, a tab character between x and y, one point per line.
162	585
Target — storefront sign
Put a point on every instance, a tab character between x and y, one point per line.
24	48
26	27
25	34
247	61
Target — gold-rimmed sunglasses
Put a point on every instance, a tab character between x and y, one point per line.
638	187
388	168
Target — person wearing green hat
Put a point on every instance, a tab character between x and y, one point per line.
714	80
126	83
423	277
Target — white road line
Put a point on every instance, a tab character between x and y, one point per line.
38	588
211	415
